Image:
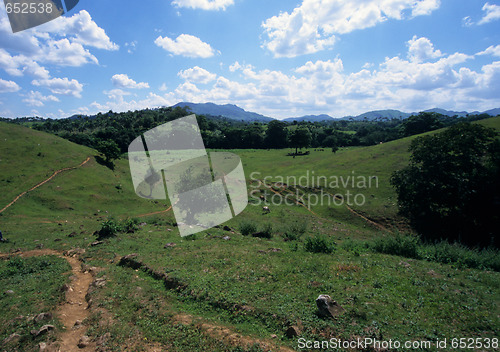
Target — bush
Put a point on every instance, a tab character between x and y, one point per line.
319	244
266	232
294	230
247	228
109	228
444	252
400	244
130	225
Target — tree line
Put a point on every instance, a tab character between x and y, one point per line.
222	133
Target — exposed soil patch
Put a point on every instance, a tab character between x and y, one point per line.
74	307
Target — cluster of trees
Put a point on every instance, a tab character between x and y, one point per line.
222	133
450	190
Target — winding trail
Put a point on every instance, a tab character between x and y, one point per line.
43	182
74	307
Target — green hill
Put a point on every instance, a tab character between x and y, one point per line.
247	286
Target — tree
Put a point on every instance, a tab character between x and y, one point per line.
276	135
109	149
450	189
423	122
300	138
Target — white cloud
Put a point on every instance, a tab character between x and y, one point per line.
312	26
81	29
186	45
163	87
123	81
492	50
63	86
19	65
131	46
203	4
467	21
61	42
8	86
35	98
197	75
421	49
492	13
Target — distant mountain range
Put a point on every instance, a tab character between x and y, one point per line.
229	111
234	112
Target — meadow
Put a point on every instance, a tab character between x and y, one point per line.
224	289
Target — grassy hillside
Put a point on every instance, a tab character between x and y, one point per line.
255	288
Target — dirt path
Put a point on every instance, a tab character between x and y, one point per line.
74	307
42	183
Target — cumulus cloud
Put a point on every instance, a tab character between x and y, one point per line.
62	86
186	45
492	50
197	75
35	98
312	26
421	49
123	81
203	4
492	13
8	86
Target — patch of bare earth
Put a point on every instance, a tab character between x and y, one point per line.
73	310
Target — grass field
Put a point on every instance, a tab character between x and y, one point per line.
227	291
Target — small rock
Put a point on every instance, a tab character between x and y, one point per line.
96	243
78	324
273	336
12	338
43	316
275	250
101	340
42	346
328	308
225	238
39	246
84	341
43	330
66	288
171	244
9	292
292	331
405	264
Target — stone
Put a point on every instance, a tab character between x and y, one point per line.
84	341
9	292
12	338
225	238
43	316
42	346
170	244
96	243
292	331
43	330
328	308
102	340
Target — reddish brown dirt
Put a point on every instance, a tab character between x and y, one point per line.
74	307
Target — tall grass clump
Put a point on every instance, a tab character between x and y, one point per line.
319	244
404	245
462	256
294	230
247	228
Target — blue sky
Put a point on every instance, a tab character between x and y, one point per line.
278	58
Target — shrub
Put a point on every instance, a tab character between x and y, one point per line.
400	244
294	230
319	244
265	232
109	228
444	252
247	228
130	225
